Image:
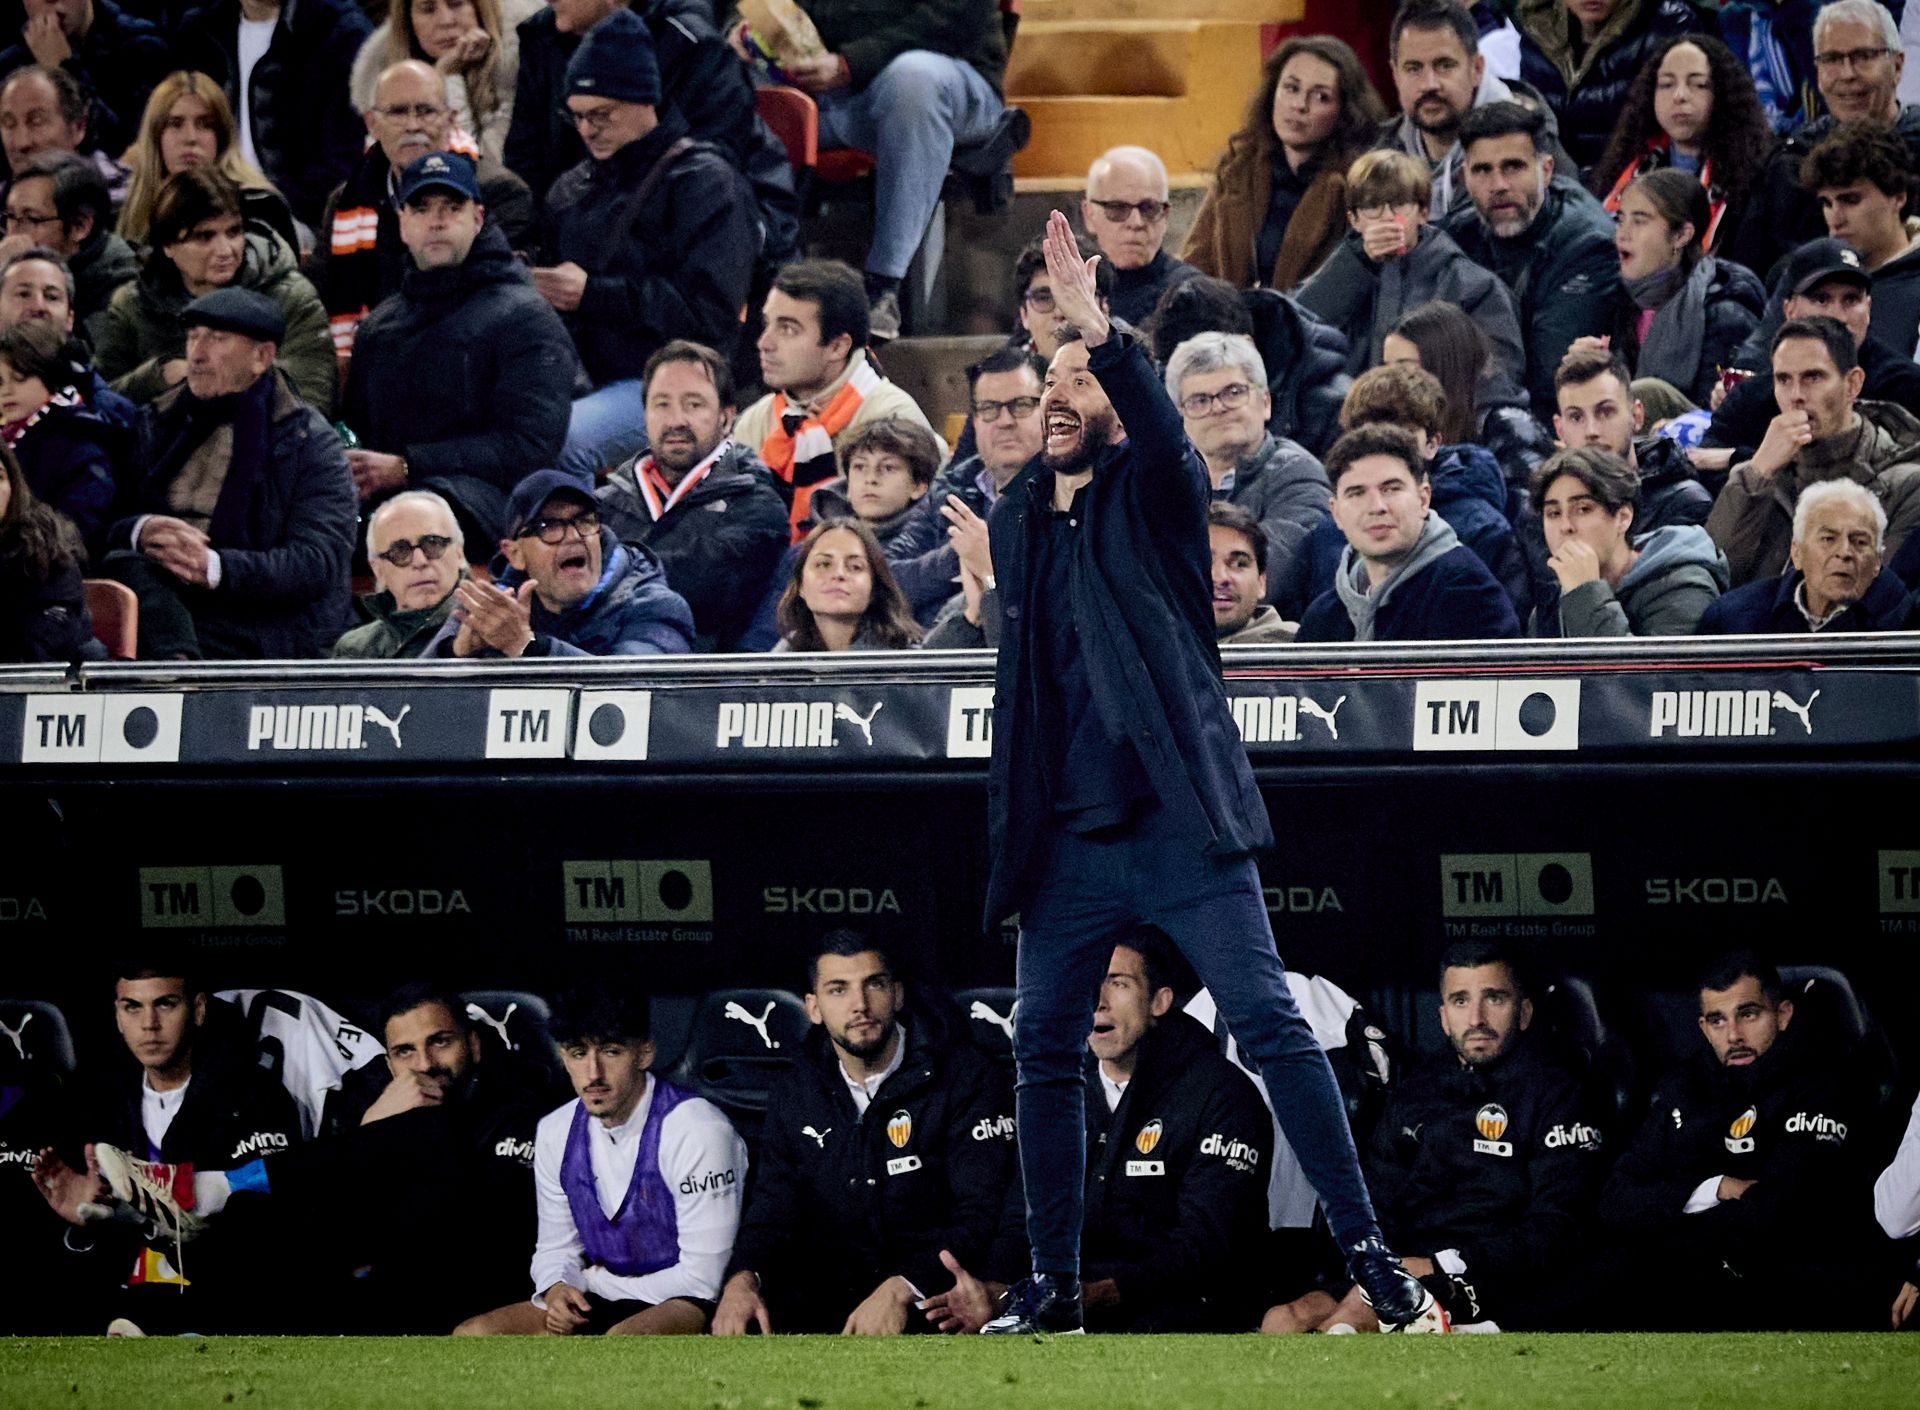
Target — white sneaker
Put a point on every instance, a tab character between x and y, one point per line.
159	1197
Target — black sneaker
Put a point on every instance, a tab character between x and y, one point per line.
1394	1294
1046	1302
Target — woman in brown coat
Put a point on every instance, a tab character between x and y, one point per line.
1278	204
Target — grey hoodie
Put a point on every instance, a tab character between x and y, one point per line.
1679	574
1437	539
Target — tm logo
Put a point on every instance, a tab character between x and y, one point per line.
1516	884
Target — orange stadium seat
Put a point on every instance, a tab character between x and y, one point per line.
116	617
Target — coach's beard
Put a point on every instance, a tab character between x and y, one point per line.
1094	432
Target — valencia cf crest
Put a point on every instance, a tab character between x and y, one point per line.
1149	1137
1740	1134
1491	1122
900	1129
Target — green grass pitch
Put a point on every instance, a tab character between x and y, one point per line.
1847	1372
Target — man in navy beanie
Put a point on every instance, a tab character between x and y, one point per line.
652	238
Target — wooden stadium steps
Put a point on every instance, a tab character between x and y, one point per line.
1178	86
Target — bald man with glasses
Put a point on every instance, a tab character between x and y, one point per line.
1125	211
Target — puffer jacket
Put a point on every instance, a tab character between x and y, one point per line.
1894	320
143	331
1307	376
102	266
1586	85
73	458
1752	520
43	617
1677	577
1772	606
359	258
1735	301
467	373
1286	489
630	612
1364	298
306	133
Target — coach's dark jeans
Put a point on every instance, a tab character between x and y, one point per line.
1092	892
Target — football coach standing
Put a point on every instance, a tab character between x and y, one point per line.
1120	793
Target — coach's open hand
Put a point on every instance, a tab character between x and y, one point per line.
1072	278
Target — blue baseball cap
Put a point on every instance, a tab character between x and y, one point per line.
451	172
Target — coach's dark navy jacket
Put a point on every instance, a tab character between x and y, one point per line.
1144	613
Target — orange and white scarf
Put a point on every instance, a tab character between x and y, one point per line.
799	446
659	495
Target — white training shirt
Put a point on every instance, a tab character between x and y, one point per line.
256	36
1896	1194
703	1161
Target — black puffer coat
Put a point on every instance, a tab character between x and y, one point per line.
1306	360
1586	85
467	372
306	133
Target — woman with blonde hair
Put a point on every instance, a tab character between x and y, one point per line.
473	44
189	123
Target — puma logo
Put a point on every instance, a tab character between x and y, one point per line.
1325	716
14	1033
391	726
985	1014
498	1025
1783	701
852	717
819	1137
758	1025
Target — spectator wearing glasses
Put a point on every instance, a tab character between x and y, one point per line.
461	378
653	237
58	202
1219	382
361	256
1040	318
564	587
1392	261
418	555
1857	64
1125	211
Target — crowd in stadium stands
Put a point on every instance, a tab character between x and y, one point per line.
454	1168
1633	275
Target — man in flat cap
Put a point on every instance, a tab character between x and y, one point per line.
460	379
243	519
652	238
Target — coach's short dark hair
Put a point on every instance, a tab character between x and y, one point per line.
1435	14
1156	957
418	994
1729	969
700	355
1225	514
1504	120
845	944
1582	365
1476	954
600	1013
837	289
1375	440
1821	329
